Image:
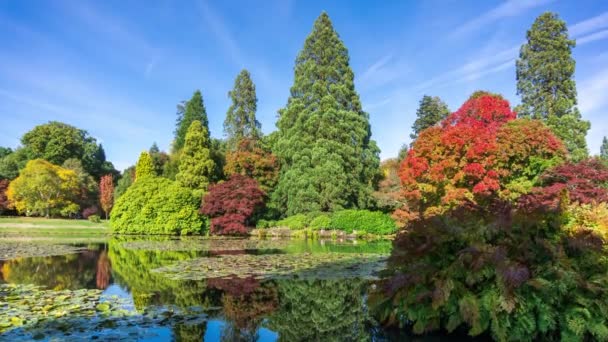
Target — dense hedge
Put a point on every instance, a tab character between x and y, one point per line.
371	222
154	205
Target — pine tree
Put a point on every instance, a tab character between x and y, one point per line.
545	81
193	110
324	145
144	167
196	165
431	111
604	149
240	120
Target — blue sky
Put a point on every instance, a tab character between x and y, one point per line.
118	68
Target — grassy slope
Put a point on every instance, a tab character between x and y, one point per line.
36	225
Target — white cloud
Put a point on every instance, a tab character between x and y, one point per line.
509	8
592	92
589	25
592	37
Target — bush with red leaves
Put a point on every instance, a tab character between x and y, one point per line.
232	204
584	182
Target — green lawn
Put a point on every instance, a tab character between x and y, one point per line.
37	225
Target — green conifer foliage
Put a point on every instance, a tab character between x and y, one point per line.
196	165
324	145
604	149
545	81
144	167
431	111
193	110
240	120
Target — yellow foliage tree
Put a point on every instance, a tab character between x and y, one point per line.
44	189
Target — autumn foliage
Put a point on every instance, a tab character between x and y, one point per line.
106	193
231	205
252	160
3	198
478	151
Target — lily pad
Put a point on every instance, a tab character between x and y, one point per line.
15	249
278	266
211	245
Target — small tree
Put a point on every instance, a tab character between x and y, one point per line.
252	160
4	204
144	167
232	204
106	193
196	165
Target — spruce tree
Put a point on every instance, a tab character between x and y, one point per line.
193	110
144	167
196	166
430	111
545	81
240	119
604	149
328	160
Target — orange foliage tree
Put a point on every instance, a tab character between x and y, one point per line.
106	193
481	150
252	160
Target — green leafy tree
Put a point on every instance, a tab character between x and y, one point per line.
144	167
196	165
430	112
12	163
240	119
604	149
545	81
5	151
125	181
324	145
159	159
57	142
193	110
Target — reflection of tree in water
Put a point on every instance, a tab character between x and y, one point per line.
189	332
132	270
320	310
72	271
245	303
104	271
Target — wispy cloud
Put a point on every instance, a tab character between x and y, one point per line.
220	30
385	70
592	37
589	25
509	8
592	92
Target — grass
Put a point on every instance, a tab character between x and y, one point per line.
44	226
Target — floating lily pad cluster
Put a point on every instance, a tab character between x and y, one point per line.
28	312
211	245
278	266
17	249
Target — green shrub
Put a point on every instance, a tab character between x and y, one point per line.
154	205
372	222
322	221
299	221
94	218
262	224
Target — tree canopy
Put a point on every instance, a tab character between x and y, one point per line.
429	113
144	167
196	166
240	120
328	160
193	110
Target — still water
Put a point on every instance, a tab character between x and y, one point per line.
193	289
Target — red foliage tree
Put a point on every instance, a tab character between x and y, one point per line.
252	160
4	204
106	193
584	182
477	151
231	204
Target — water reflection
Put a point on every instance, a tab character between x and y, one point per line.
234	309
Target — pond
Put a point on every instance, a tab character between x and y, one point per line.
190	289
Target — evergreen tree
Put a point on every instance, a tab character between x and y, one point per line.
431	111
193	110
545	81
240	119
196	166
324	145
144	167
604	149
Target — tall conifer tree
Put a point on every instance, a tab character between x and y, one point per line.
431	110
193	110
604	149
240	120
545	81
324	142
144	167
196	166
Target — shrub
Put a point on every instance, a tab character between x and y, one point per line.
299	221
322	221
232	204
89	211
154	205
94	218
266	224
372	222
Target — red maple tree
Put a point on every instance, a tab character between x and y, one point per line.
106	193
231	204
